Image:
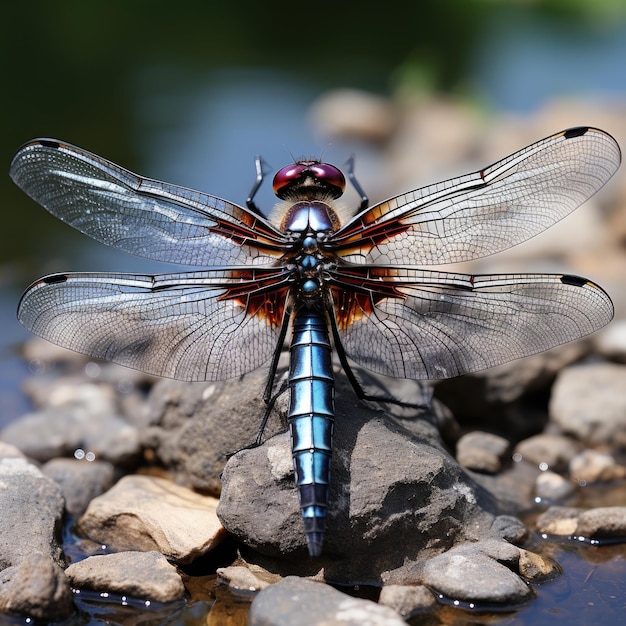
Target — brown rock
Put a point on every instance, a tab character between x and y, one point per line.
147	513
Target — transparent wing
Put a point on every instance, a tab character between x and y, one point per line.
194	326
138	215
485	212
432	325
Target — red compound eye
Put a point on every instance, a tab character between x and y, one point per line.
327	177
287	175
329	174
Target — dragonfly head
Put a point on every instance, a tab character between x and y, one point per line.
309	178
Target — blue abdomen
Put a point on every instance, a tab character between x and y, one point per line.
310	417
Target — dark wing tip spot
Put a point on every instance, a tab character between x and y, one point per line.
578	131
50	143
54	278
576	281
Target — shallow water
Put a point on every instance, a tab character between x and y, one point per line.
589	590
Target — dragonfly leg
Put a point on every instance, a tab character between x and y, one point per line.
425	400
269	405
355	183
259	166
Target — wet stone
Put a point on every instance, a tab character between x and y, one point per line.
551	486
535	567
558	520
471	573
241	578
408	600
148	513
550	451
591	466
607	522
481	452
80	480
588	402
142	575
286	602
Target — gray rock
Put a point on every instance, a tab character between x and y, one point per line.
513	487
407	600
60	431
477	573
591	466
32	582
389	487
548	450
492	398
145	575
73	392
551	486
608	522
196	426
80	480
481	452
300	601
147	513
611	341
588	402
8	451
349	113
558	520
36	588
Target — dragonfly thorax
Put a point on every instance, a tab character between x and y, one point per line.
312	216
310	263
310	225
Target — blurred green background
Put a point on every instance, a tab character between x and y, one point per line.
190	91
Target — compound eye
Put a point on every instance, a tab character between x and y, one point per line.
329	174
286	176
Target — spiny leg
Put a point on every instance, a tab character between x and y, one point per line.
260	168
355	183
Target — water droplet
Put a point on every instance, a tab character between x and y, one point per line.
92	369
36	367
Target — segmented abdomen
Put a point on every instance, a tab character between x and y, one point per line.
311	414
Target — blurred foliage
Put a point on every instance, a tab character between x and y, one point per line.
598	11
71	62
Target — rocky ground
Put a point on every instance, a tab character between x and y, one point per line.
121	485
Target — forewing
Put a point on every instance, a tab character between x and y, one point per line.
138	215
432	325
194	326
485	212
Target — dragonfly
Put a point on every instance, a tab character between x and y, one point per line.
356	283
